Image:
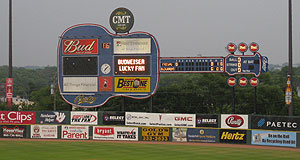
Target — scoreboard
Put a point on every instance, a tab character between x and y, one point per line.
95	65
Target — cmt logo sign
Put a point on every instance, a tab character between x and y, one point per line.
183	118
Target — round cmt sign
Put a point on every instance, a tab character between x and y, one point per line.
254	81
231	81
231	47
243	81
121	20
243	47
253	47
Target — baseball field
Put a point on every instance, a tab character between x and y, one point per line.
106	150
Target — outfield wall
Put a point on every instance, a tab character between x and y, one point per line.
139	126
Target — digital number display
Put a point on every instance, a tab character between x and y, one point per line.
80	65
132	65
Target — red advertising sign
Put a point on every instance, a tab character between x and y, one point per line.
17	117
80	46
254	81
243	47
243	81
104	131
254	47
234	121
105	83
231	47
9	91
231	81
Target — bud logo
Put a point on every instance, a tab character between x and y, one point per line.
80	46
234	121
132	84
16	117
104	131
183	118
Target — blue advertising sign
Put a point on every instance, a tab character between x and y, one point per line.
274	138
53	117
95	65
202	135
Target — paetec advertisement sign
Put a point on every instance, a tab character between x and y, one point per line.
53	117
233	136
74	132
114	118
179	134
274	138
87	118
275	123
202	135
126	133
17	117
234	121
155	134
103	133
207	120
13	131
43	131
159	119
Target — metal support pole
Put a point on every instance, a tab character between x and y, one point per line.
290	106
123	104
151	104
233	101
9	103
254	107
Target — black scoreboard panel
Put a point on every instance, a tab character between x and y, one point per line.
201	64
80	65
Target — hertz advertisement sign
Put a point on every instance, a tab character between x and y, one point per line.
132	84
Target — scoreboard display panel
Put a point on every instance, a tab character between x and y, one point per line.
80	65
193	65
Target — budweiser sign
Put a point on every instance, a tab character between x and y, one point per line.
80	46
234	121
16	117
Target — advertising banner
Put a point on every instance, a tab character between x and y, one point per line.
80	46
132	84
132	45
13	131
80	84
202	135
17	117
274	138
87	118
179	134
155	134
9	91
43	131
103	133
275	123
114	118
53	117
126	133
74	132
207	120
234	121
233	136
160	119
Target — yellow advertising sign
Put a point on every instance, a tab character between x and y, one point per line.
132	84
155	134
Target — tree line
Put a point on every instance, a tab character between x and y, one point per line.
177	93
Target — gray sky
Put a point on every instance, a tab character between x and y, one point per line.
183	28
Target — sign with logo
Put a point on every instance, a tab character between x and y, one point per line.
243	81
80	84
121	20
74	132
231	47
80	46
17	117
103	133
274	138
114	118
179	134
234	121
202	135
9	91
88	118
243	47
132	84
160	119
254	81
231	81
132	45
275	123
207	120
155	134
126	133
105	84
253	47
132	65
13	131
233	136
43	131
53	117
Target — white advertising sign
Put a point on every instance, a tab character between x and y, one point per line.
74	132
132	45
160	119
87	118
234	121
43	131
80	84
103	133
126	133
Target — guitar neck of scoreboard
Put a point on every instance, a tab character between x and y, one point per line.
192	65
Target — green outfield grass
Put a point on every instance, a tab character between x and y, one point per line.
91	150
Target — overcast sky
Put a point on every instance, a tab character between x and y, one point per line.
183	28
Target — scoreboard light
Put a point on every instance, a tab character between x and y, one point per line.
231	47
254	47
243	47
132	65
